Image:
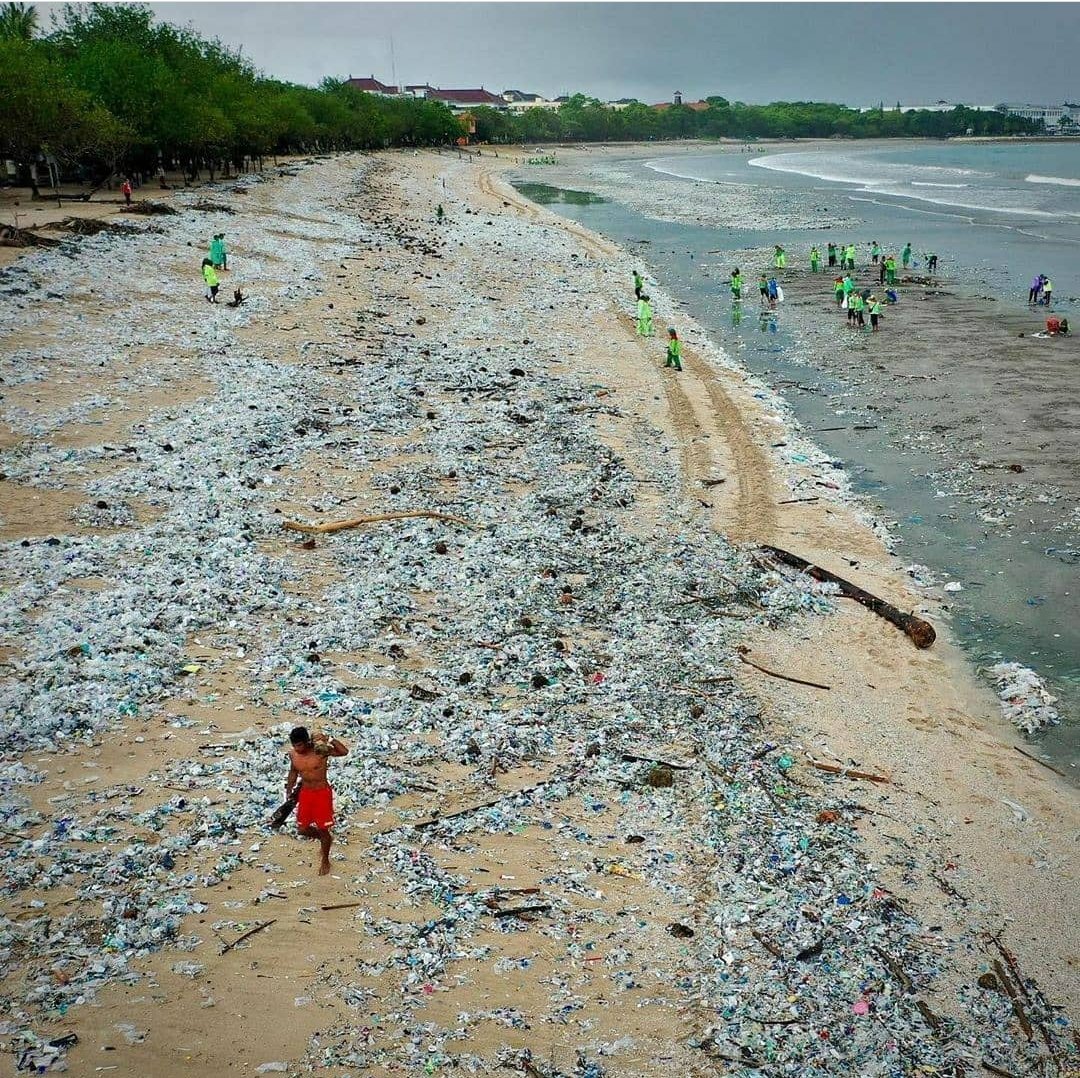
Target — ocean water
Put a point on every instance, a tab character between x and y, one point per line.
998	213
1018	604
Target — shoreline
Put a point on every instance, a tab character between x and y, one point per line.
897	385
592	431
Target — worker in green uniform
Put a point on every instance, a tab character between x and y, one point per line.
875	313
850	256
890	270
875	252
859	307
644	317
736	284
815	259
780	258
838	290
763	290
905	254
211	278
639	284
674	350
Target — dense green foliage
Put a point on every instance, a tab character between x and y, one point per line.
109	86
585	119
17	21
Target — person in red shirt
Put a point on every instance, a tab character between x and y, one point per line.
125	190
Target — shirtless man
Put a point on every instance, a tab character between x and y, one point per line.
308	758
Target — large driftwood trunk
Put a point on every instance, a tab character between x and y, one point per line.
921	632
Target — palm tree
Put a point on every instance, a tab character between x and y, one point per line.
18	21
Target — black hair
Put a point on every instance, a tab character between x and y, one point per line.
300	736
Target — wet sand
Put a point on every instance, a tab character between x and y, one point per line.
958	423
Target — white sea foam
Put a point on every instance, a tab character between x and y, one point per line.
1056	181
894	181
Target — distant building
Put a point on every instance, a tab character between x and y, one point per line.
460	100
937	106
697	106
520	101
622	103
372	85
1053	116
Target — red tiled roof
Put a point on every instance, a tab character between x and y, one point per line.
466	97
371	86
696	106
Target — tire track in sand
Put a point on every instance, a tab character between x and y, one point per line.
750	511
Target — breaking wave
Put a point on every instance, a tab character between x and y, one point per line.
1056	181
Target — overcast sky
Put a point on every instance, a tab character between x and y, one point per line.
857	54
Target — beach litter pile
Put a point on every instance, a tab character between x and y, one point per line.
562	817
1025	700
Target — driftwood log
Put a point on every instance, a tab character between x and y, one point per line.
921	632
356	522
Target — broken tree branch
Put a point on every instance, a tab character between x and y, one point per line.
921	632
847	772
419	825
631	757
378	518
996	1070
1049	767
782	677
1014	999
247	935
517	911
767	943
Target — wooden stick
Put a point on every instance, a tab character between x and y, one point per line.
847	772
921	632
342	906
1010	960
1049	767
421	824
355	522
516	911
783	677
767	943
996	1070
631	757
1014	999
250	932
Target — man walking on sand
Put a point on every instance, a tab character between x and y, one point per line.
308	759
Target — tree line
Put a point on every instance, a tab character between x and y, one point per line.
588	120
108	88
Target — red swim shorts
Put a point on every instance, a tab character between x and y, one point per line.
315	808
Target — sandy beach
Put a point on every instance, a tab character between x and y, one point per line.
547	696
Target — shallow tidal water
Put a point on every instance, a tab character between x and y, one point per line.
1018	604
